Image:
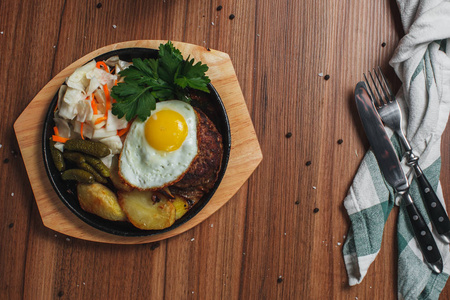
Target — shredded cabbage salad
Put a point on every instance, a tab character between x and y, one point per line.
84	106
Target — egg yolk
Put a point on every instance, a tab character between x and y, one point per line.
166	130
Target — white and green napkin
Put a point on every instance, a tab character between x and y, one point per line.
422	62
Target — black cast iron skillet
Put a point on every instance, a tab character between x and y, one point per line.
67	190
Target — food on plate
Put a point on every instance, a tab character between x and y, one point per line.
57	157
98	199
78	175
181	206
87	167
203	171
98	165
130	137
116	180
88	163
150	80
88	147
74	157
146	210
158	152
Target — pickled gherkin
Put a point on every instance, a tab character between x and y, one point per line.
87	167
79	175
74	157
57	157
96	149
98	165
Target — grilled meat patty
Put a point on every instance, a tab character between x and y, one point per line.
203	171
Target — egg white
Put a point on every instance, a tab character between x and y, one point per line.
144	167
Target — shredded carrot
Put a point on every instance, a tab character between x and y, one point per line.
59	139
112	70
55	130
124	130
101	64
94	105
81	130
108	98
99	120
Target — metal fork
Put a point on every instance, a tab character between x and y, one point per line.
391	115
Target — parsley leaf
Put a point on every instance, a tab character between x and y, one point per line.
132	95
169	62
193	76
151	80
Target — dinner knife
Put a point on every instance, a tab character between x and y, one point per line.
391	169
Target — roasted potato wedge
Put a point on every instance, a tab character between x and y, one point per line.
101	201
115	178
181	206
145	213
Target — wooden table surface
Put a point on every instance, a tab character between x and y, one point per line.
266	242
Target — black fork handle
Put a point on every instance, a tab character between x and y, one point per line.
423	235
436	211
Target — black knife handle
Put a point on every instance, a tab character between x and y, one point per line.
424	237
436	211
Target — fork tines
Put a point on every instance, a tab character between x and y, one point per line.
379	85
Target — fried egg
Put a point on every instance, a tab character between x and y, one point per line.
158	151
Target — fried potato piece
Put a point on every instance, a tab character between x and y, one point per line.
181	206
115	177
101	201
144	212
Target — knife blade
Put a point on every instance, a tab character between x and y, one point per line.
390	167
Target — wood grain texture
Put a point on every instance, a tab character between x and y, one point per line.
278	48
245	153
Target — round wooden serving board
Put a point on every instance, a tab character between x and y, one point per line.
245	152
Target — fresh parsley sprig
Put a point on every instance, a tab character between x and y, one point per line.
151	80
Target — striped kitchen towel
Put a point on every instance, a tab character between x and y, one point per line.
422	62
